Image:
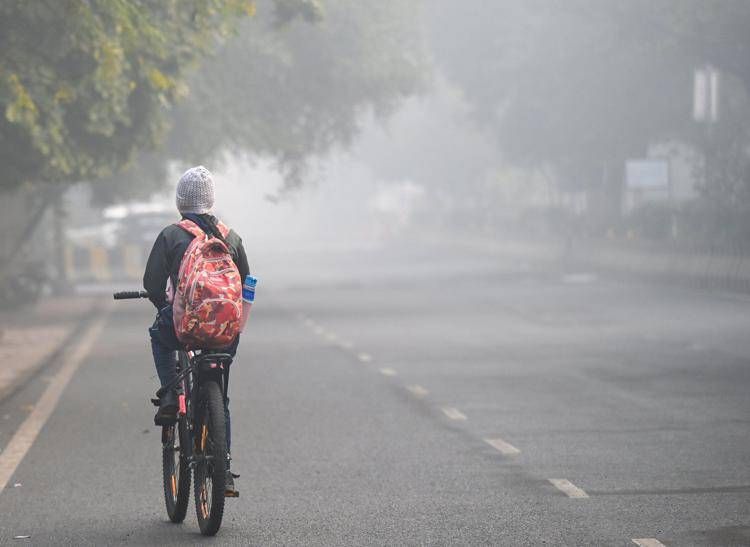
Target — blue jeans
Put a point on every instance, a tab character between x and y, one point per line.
165	360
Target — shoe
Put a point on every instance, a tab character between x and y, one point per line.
229	489
167	413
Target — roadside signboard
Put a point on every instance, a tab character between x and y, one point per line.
647	174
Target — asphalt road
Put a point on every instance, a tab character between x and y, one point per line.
365	394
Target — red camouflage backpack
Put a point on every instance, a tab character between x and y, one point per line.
207	305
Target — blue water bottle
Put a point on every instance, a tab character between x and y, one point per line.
248	297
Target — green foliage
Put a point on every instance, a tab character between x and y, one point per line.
84	84
289	90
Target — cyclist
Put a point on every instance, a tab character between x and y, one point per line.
195	200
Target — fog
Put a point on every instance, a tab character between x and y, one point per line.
576	137
582	137
580	125
502	252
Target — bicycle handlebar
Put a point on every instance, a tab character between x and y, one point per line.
124	295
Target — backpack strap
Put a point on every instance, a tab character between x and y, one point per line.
223	228
190	227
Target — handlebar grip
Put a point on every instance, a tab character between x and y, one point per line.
124	295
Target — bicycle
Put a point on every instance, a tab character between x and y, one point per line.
196	444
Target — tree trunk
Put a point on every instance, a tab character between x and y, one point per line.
29	228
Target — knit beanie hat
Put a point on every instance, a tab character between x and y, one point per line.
195	191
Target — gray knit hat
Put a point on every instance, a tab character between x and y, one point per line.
195	191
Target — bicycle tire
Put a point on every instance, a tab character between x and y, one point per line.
210	440
176	473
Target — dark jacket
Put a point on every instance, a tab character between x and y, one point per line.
168	250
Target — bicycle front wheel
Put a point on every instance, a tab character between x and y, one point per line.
211	458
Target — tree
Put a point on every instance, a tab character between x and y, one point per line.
578	86
288	89
84	84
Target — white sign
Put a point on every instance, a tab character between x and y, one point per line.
647	174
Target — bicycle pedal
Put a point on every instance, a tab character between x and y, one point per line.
231	493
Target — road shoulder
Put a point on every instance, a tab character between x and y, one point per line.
30	339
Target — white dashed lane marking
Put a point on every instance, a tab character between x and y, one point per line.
502	446
388	372
453	413
568	488
332	337
418	391
648	542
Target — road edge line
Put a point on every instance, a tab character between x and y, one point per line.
7	392
26	434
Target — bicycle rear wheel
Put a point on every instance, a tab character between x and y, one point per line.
175	470
211	458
